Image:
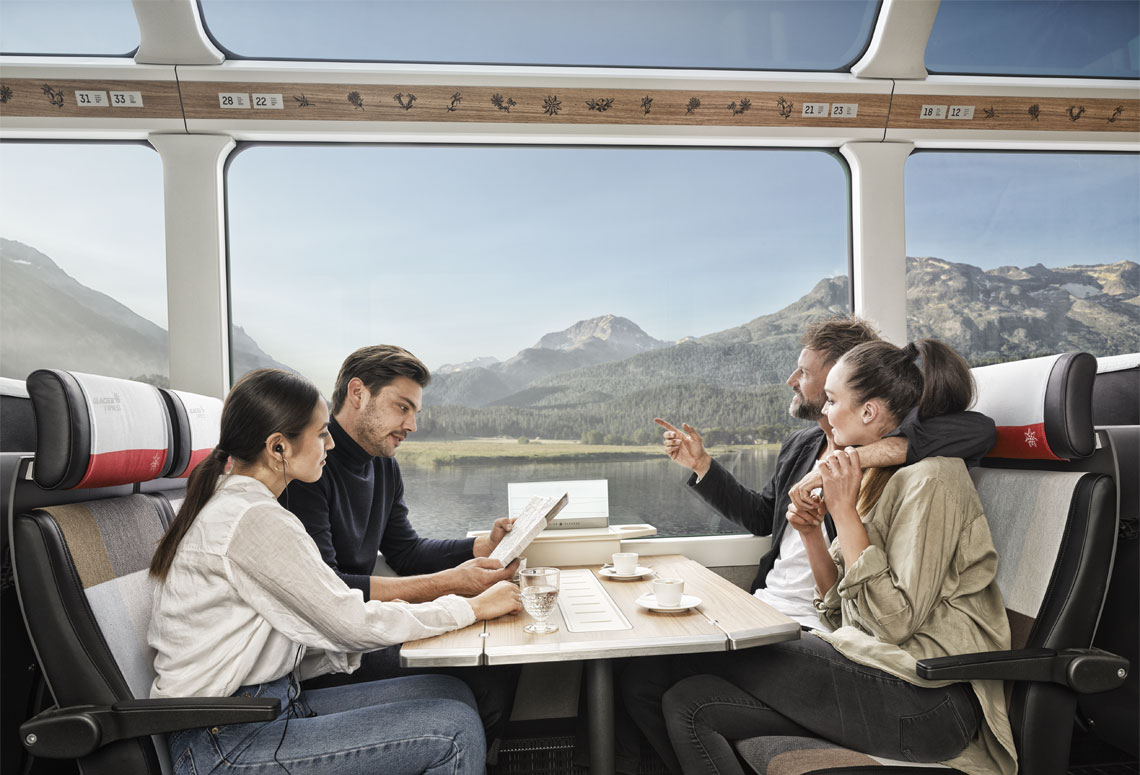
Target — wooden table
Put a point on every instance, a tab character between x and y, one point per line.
728	618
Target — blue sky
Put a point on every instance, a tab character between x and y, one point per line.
1036	37
464	252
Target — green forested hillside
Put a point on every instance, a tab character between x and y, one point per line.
735	365
732	413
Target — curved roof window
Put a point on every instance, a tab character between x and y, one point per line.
1080	38
737	34
82	27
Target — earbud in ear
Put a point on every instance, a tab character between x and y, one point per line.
278	448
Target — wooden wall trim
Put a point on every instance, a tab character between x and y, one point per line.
275	101
58	98
1022	114
533	105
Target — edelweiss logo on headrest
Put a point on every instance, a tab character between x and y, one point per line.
155	460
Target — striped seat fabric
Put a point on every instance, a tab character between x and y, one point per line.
102	657
803	755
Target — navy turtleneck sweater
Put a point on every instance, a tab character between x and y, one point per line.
356	509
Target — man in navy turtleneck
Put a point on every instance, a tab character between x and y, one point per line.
356	509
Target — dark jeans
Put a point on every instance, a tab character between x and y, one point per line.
493	687
802	687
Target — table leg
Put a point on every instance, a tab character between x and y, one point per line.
599	676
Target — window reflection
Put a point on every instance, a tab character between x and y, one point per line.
87	27
746	34
1090	38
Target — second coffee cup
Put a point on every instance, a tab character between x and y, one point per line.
625	563
668	591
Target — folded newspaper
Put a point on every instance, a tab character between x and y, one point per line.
533	519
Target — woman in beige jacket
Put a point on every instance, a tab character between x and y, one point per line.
909	575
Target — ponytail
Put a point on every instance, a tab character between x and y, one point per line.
200	487
925	374
263	402
947	384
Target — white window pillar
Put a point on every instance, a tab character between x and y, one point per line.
171	33
196	277
878	221
898	42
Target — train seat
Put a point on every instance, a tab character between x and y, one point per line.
1114	716
1055	532
81	574
17	669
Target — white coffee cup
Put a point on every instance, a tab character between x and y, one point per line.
625	563
668	591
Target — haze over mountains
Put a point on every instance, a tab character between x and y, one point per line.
485	381
49	320
606	374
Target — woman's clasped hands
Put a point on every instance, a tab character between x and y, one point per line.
842	476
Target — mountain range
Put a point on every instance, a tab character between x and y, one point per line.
734	378
606	373
487	381
50	320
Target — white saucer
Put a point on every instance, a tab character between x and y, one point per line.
611	573
649	600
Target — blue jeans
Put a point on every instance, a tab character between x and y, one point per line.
401	726
493	685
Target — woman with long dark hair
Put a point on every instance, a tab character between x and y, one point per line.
910	575
246	606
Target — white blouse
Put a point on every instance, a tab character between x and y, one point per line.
248	589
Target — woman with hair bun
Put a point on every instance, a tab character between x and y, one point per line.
910	575
246	606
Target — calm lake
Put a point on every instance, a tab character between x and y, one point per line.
447	501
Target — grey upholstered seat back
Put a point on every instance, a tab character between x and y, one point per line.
111	543
1028	513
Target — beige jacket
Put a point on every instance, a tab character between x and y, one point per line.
925	588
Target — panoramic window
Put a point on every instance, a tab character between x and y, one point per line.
746	34
86	27
562	297
1015	255
82	260
1090	38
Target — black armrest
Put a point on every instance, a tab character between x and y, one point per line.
1086	671
68	733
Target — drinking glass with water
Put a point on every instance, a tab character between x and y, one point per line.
539	595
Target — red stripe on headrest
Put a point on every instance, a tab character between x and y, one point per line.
196	457
124	466
1022	442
